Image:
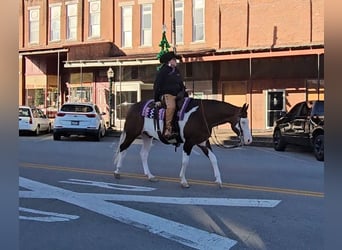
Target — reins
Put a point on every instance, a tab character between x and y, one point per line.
214	139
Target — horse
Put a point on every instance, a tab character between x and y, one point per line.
199	116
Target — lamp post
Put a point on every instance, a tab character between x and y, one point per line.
110	75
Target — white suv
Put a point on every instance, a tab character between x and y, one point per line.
33	120
79	119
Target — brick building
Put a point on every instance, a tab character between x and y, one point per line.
267	53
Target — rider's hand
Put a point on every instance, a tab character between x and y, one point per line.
157	104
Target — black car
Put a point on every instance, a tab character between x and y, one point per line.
302	125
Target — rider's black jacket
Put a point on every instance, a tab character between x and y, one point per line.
168	81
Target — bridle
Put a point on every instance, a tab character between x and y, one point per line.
216	141
240	136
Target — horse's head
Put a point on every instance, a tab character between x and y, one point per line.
241	126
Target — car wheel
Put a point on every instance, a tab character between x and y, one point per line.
37	131
49	129
97	136
103	131
279	143
56	137
319	147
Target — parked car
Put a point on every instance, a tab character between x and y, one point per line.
33	120
79	119
302	125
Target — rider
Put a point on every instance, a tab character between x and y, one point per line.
167	85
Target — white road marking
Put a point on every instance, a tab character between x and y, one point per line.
50	216
183	234
109	185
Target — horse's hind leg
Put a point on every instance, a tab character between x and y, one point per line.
206	148
124	142
145	149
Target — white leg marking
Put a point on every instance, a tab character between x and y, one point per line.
120	157
145	149
213	161
185	162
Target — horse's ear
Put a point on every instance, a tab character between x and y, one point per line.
245	106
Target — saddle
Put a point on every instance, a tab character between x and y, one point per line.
158	114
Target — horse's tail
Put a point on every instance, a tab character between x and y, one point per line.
122	138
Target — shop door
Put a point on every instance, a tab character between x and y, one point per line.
275	105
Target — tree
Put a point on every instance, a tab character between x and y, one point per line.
164	46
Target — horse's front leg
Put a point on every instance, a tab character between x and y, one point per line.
217	174
118	162
144	152
185	162
206	148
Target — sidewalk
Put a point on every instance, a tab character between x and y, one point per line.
261	138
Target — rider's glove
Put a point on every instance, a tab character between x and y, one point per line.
157	104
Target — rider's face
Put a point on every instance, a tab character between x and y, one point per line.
173	62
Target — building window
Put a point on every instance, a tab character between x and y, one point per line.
94	18
198	20
146	24
126	20
179	15
55	23
34	26
71	21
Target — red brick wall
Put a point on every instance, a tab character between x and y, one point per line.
229	24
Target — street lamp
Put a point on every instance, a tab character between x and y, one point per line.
110	75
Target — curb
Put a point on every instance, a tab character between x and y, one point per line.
258	141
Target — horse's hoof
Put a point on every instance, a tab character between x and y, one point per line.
219	184
117	175
185	185
153	179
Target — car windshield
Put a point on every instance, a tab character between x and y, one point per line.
77	108
319	108
24	112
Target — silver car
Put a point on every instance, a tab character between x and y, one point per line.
79	119
33	120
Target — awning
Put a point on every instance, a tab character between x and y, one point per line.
214	56
255	55
41	52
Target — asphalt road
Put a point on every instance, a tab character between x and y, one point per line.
69	198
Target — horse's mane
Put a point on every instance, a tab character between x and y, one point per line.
197	101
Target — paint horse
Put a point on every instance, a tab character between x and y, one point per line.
197	119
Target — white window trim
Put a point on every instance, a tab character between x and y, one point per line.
71	2
141	28
29	20
60	21
182	9
130	3
89	13
55	5
193	9
122	24
67	18
33	7
145	1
